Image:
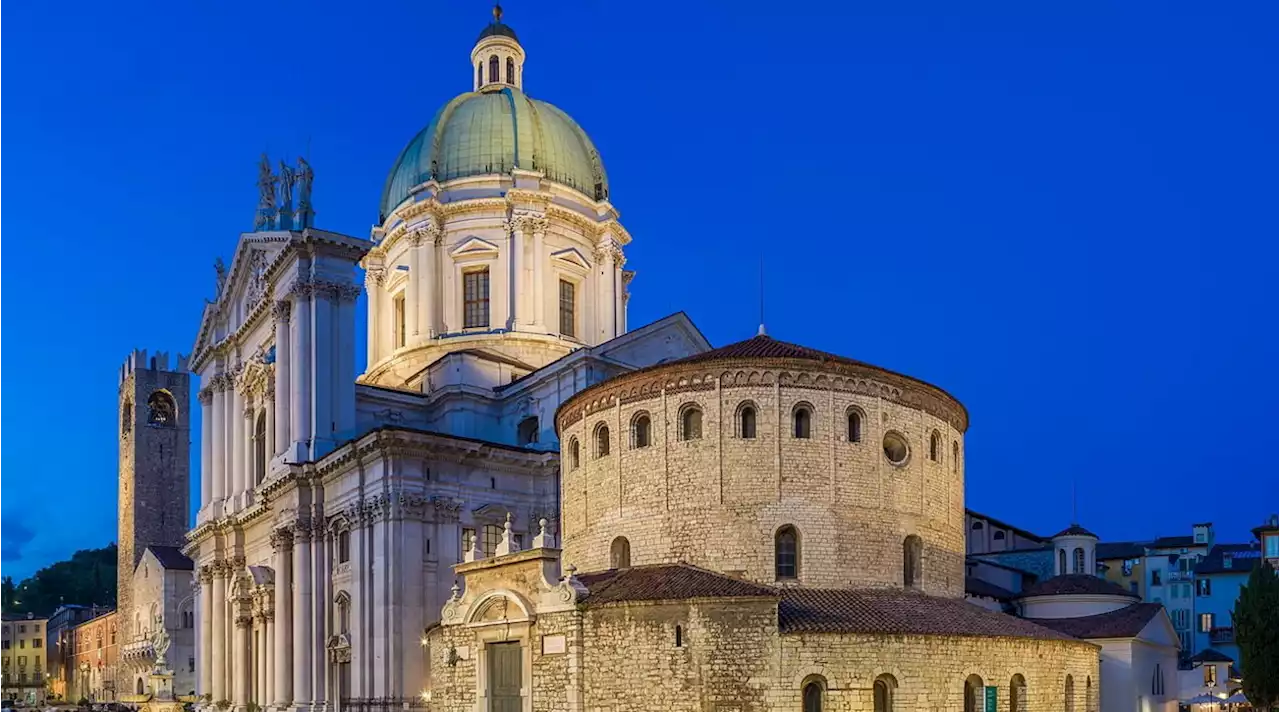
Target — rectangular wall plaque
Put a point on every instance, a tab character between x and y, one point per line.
553	644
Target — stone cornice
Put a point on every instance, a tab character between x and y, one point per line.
786	372
389	442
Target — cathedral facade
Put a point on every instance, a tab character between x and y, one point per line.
525	503
334	505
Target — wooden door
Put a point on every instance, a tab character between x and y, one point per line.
505	674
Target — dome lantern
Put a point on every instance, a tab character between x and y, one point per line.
497	60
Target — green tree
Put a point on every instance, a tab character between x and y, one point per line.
87	578
1256	619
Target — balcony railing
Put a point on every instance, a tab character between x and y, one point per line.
1224	634
1181	575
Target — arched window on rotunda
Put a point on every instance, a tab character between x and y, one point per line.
640	430
813	693
1017	694
854	433
912	550
882	692
786	553
690	422
602	440
802	421
973	691
620	553
493	68
747	421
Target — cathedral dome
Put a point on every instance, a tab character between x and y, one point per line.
488	132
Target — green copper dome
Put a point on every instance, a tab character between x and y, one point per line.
492	132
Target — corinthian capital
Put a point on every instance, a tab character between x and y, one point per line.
529	222
281	309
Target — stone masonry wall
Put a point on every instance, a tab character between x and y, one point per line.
718	500
632	661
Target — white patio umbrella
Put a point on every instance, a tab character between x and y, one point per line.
1203	700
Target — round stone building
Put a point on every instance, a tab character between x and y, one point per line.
758	527
772	462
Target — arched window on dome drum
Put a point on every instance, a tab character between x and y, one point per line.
620	553
786	553
691	423
1069	695
812	694
1017	694
998	536
1062	561
493	68
260	448
882	693
973	691
640	427
976	526
1077	561
802	422
511	71
140	692
935	446
855	426
747	422
955	456
575	453
602	440
912	550
479	74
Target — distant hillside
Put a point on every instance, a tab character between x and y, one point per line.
88	578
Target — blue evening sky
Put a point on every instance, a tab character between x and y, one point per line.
1062	213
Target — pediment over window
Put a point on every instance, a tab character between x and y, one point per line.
571	256
474	247
491	512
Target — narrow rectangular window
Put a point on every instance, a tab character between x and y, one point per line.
475	299
1206	622
397	305
566	308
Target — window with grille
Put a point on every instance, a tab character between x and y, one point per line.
492	535
475	299
566	308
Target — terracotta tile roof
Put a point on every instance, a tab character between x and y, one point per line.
766	347
1076	584
1172	542
1120	550
986	589
1209	655
1121	623
1243	558
811	610
660	582
1075	530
